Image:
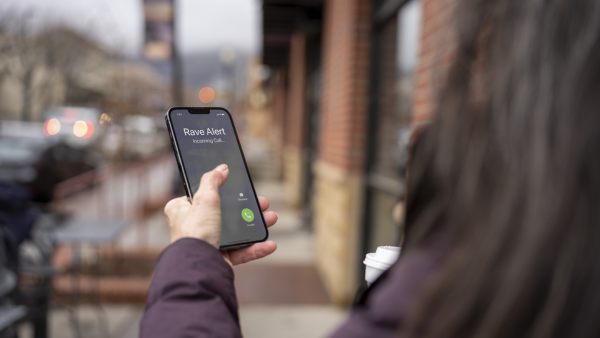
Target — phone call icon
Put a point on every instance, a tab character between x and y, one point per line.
247	215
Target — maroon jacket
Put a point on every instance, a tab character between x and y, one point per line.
192	295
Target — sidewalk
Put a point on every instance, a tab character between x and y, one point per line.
281	295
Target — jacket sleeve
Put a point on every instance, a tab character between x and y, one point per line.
191	294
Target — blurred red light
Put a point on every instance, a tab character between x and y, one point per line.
45	128
90	130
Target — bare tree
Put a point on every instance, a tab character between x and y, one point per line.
41	60
21	54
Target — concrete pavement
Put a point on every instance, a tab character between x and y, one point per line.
281	295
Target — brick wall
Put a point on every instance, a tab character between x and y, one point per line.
437	41
346	51
339	170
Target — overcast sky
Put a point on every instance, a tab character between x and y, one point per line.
202	24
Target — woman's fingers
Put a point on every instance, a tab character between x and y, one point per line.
270	218
264	203
253	252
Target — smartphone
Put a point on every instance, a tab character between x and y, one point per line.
203	138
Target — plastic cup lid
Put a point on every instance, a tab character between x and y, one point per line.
383	258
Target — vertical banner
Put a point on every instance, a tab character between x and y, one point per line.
158	29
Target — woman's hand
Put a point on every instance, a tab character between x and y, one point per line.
202	218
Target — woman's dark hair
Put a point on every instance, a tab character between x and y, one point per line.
511	168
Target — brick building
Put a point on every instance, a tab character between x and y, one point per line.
349	80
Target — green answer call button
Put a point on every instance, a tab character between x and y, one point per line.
247	215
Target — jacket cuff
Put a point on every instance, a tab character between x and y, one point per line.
193	252
193	262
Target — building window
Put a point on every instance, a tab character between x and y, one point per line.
396	48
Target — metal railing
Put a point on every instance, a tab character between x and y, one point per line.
130	191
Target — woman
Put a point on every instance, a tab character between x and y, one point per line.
503	214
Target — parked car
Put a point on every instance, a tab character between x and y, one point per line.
74	125
21	145
31	159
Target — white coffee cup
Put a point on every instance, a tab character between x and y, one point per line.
378	262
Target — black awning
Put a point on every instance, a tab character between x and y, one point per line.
281	18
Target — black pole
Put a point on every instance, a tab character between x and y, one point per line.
374	78
176	66
232	80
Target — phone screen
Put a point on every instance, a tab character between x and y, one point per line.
205	141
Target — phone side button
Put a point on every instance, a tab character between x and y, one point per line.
180	171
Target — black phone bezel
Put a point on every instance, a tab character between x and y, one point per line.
181	166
